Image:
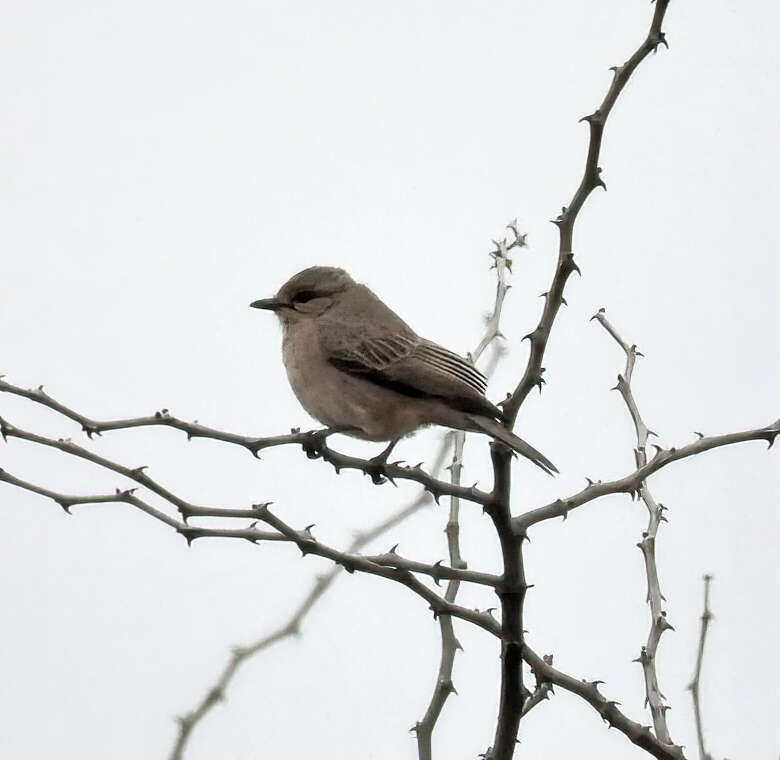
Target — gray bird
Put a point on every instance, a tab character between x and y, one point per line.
358	368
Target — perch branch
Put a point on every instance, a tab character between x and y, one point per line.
655	599
591	179
313	443
706	617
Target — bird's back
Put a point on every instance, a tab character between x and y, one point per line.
363	336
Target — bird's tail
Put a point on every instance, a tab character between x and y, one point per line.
498	431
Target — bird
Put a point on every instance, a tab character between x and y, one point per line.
359	369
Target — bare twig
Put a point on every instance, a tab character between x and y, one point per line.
591	179
313	443
658	618
694	685
630	484
216	693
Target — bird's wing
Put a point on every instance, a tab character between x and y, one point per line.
395	357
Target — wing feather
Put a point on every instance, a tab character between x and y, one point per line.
406	363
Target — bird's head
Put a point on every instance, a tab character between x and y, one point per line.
307	294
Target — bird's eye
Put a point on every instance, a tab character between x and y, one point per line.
302	296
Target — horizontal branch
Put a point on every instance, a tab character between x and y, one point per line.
630	484
313	443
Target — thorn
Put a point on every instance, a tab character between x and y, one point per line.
138	471
393	549
435	575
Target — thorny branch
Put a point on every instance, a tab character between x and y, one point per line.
511	592
694	685
313	443
630	484
591	179
658	618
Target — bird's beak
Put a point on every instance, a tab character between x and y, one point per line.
273	304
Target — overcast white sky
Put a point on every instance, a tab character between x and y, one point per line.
165	163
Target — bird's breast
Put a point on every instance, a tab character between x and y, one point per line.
336	398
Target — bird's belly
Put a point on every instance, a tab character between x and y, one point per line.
337	399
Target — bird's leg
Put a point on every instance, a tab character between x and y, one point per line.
376	465
315	445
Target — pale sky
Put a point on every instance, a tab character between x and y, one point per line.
163	164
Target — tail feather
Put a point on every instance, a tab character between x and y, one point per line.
498	431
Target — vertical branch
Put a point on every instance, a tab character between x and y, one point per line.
449	642
694	685
659	623
511	592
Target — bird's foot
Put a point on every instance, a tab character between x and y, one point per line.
315	443
375	467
